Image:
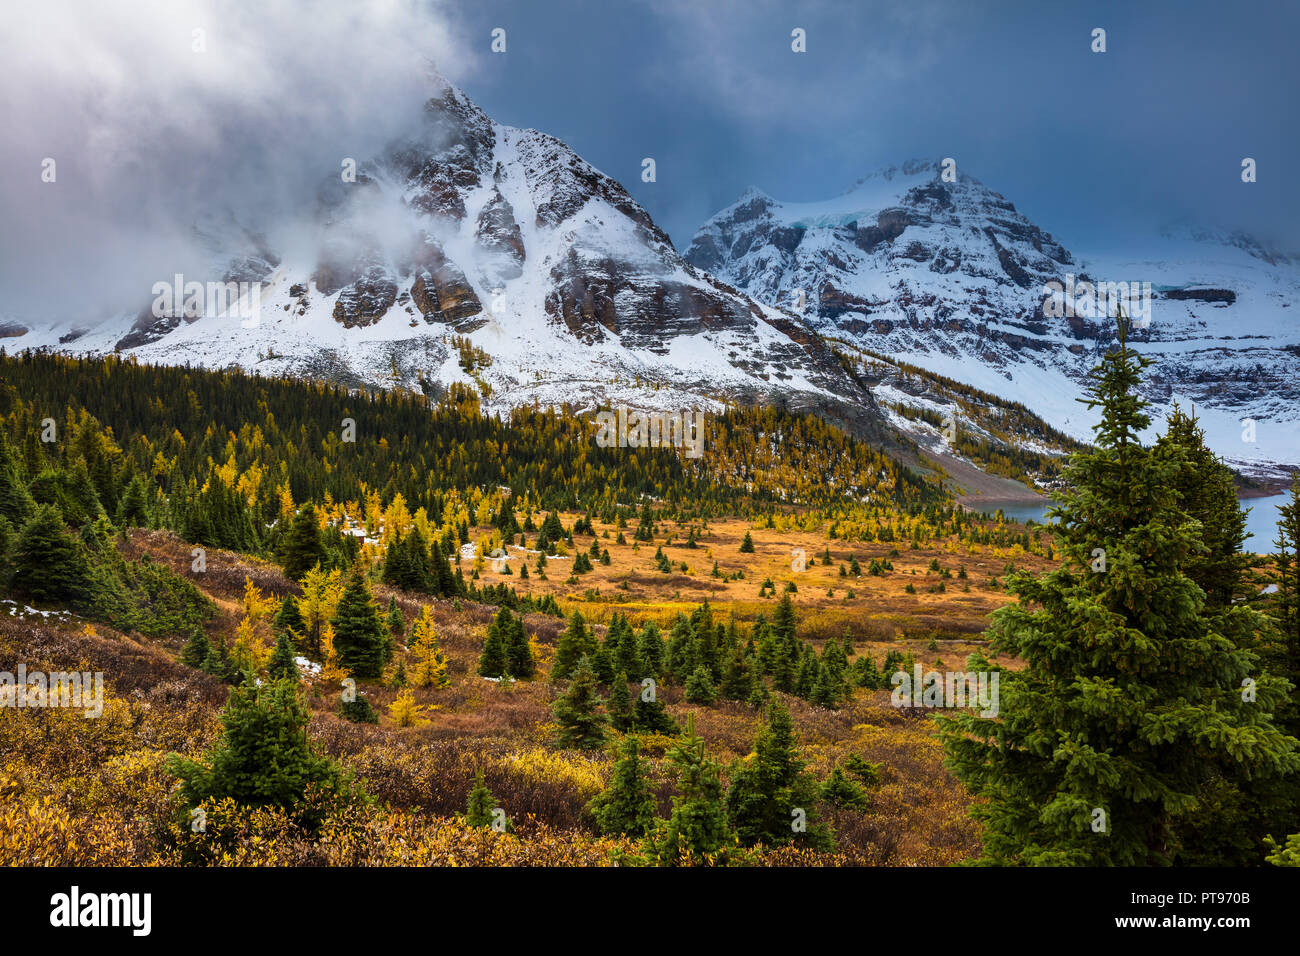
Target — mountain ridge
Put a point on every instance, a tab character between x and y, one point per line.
951	277
467	229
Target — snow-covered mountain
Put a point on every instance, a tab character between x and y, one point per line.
949	276
484	254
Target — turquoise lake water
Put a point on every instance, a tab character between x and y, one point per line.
1261	520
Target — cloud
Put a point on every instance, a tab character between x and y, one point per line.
163	116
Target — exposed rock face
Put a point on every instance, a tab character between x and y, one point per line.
1226	296
450	156
367	298
441	290
498	232
148	328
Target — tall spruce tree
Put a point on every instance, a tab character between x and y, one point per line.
1130	684
282	665
288	619
49	563
396	623
651	650
1234	813
1285	605
699	687
627	657
217	661
16	501
360	638
134	509
1206	493
620	705
196	648
581	722
492	660
303	548
650	716
737	676
519	654
575	643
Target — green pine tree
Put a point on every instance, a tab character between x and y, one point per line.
288	619
699	687
772	799
303	548
263	758
493	662
578	712
650	651
627	805
864	770
16	501
359	710
842	792
1206	493
575	643
396	623
282	666
1284	653
620	705
650	716
1131	685
134	509
697	831
519	655
737	676
217	661
481	806
359	634
196	649
49	563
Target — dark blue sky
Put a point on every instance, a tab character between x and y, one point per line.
1090	146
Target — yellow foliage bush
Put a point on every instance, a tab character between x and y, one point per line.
587	775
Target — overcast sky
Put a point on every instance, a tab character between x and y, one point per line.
1085	143
1094	147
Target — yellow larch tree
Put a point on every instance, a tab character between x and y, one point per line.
430	668
252	648
405	712
332	673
